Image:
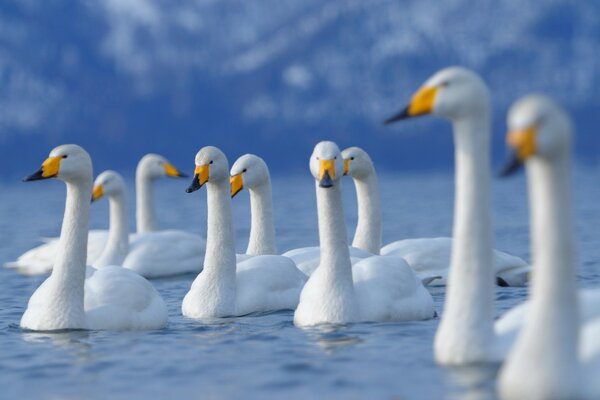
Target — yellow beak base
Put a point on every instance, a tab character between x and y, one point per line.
346	166
97	192
326	173
422	101
49	169
170	170
236	183
523	142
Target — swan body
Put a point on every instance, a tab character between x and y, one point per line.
74	297
550	358
225	288
40	259
152	254
375	289
429	257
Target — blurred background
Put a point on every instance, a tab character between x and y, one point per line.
272	77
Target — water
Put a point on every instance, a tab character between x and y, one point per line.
261	356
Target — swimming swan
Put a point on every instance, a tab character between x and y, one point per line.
151	254
544	362
378	288
109	298
429	257
40	259
223	289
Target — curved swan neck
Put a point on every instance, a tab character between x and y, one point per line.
262	228
368	228
117	245
466	332
68	273
220	245
144	202
548	342
335	255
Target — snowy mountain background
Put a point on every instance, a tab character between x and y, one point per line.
273	77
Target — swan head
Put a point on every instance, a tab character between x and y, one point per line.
211	166
326	164
109	183
156	166
248	171
357	163
537	127
69	163
453	93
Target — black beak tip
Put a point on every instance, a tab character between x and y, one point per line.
34	177
326	181
511	166
182	175
194	186
403	114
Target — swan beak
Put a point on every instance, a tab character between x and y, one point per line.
326	173
346	166
49	169
420	104
97	192
170	170
200	178
236	183
522	146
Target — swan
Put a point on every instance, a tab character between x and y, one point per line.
151	254
429	257
250	171
40	259
73	297
226	288
378	288
466	331
544	362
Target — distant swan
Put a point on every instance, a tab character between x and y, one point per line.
40	259
110	298
429	257
151	254
377	288
226	288
544	361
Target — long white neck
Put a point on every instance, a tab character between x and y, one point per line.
368	229
262	228
144	202
68	273
465	334
543	362
117	245
220	261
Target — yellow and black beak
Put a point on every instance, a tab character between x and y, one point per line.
48	170
521	144
346	166
420	104
326	173
200	178
170	170
237	184
97	192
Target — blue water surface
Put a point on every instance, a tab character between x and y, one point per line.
261	356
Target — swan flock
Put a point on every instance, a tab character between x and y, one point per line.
548	347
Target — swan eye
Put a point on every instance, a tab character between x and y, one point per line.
317	158
211	161
444	84
351	158
65	156
335	158
244	170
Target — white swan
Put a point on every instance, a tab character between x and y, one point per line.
151	254
40	259
250	171
544	362
378	288
429	257
110	298
466	331
259	284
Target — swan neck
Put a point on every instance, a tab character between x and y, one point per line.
368	228
262	228
335	255
68	273
117	245
466	328
144	203
220	246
